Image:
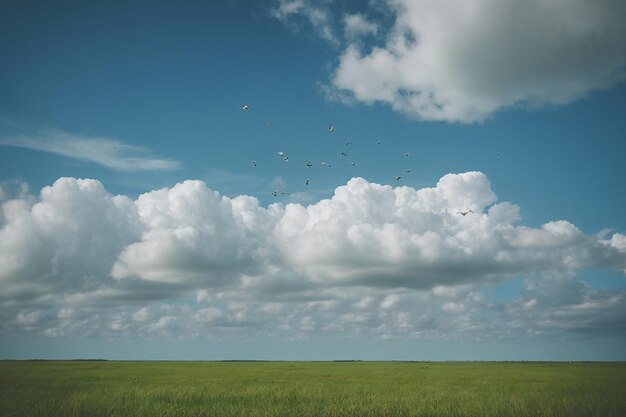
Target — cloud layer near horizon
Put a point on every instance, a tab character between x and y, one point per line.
462	61
358	260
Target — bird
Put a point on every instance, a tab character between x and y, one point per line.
407	154
254	162
244	107
354	164
398	178
380	142
326	163
282	155
464	213
308	163
348	143
331	128
344	154
308	180
408	171
276	193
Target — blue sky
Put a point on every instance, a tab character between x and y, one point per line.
108	110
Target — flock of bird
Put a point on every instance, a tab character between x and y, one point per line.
308	163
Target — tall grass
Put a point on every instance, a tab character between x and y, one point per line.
359	389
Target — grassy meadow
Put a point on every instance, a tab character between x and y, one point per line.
358	389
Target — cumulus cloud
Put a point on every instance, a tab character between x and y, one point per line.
377	235
194	234
371	260
103	151
555	302
68	238
463	61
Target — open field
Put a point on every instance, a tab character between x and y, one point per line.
357	389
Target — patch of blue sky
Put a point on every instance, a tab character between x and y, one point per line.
603	279
505	291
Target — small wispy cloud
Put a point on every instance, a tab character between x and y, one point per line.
107	152
317	14
357	25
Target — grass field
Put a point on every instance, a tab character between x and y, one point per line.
49	389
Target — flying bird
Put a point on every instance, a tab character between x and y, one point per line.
276	193
308	180
380	142
344	154
407	154
326	164
408	171
308	163
354	164
244	107
254	162
464	213
331	128
398	178
348	143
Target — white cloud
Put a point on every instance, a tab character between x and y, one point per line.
451	293
618	245
28	319
315	12
195	235
372	260
103	151
389	301
164	325
142	314
66	313
78	235
463	61
618	241
375	235
334	94
69	238
357	25
557	303
208	314
14	189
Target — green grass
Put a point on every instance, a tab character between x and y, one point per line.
359	389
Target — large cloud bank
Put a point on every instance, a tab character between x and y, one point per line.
462	61
371	258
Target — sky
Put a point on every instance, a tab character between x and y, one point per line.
157	203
